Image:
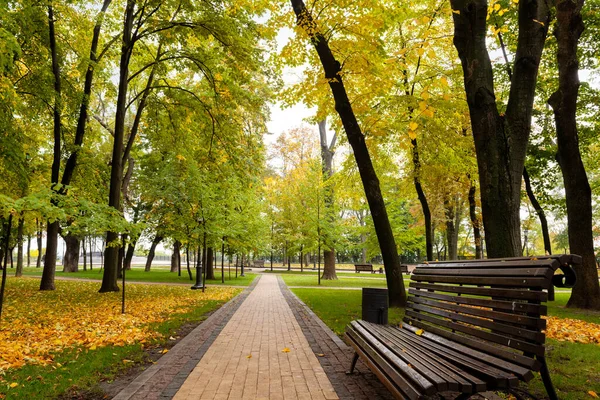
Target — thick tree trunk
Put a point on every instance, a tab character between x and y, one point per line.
155	242
129	254
327	153
500	139
540	212
38	262
586	293
47	281
111	257
332	68
176	256
475	221
210	263
453	212
19	271
71	259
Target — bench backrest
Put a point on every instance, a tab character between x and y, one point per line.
490	306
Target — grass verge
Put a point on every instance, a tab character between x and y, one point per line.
342	281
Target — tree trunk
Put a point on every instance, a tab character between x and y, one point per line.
540	212
129	254
38	262
422	200
332	68
111	257
91	254
500	139
475	221
47	281
586	293
71	259
28	250
19	271
175	257
210	263
155	242
327	166
84	254
187	259
453	212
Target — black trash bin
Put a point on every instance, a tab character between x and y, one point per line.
375	305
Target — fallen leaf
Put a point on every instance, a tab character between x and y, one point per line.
419	332
249	356
285	350
165	351
320	354
14	385
593	394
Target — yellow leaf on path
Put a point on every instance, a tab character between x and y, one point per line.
285	350
165	351
321	354
249	356
593	394
14	385
419	332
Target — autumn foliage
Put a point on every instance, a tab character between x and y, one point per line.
36	324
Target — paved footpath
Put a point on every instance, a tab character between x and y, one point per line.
260	354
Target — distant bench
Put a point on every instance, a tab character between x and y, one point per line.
369	268
258	264
363	267
469	327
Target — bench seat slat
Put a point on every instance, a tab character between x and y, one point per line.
519	294
494	326
458	379
509	306
396	382
484	280
417	379
482	375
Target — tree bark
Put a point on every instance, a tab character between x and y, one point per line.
475	221
28	250
47	281
109	278
540	212
422	199
586	293
129	254
327	166
500	139
332	68
452	226
210	263
176	256
38	262
187	259
91	254
71	259
84	253
155	242
19	271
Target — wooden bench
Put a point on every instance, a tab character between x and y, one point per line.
363	267
469	327
259	263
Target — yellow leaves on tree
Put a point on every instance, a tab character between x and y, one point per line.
36	323
573	330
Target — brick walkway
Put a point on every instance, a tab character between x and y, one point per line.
261	353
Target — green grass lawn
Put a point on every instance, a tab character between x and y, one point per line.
157	274
574	367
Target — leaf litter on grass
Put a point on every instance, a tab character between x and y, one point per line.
35	324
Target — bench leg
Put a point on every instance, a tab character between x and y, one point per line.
547	380
353	365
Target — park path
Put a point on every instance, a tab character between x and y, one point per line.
261	353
